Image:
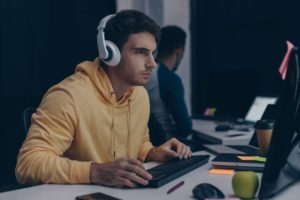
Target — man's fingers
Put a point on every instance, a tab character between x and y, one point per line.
125	182
136	162
123	172
137	167
134	171
139	171
170	153
183	151
180	149
133	177
188	153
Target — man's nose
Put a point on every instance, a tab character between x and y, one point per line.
151	62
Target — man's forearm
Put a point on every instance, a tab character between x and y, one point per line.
42	167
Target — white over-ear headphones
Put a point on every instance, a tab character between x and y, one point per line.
109	53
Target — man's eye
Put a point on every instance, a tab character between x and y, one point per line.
142	52
154	54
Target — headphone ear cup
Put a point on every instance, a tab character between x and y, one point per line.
114	55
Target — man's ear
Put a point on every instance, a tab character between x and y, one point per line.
179	53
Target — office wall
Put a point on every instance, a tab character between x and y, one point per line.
178	12
41	42
169	12
237	49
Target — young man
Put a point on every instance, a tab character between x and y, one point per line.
92	126
165	87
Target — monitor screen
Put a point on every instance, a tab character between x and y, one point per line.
258	106
279	172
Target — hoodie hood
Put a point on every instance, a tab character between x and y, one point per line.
102	83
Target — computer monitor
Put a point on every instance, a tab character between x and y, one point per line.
258	107
282	168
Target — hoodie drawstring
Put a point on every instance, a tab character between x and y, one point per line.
113	129
128	126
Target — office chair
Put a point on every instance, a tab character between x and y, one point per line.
27	113
27	118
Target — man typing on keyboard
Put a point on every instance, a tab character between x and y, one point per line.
130	172
92	126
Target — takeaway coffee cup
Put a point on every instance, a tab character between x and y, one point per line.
264	130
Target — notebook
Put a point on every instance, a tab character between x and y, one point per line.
239	162
252	148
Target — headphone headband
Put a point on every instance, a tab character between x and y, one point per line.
103	53
104	21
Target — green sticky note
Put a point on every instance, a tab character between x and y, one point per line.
260	159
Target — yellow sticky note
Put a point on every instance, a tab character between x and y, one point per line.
255	158
221	171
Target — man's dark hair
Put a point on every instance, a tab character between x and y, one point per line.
128	22
172	38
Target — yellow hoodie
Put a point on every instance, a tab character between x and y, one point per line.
80	121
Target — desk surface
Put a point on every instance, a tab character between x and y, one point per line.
206	130
200	175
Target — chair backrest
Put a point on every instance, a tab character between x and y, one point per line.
157	135
27	118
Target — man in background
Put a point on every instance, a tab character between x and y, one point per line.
165	87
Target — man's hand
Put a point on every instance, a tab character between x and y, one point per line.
170	149
122	172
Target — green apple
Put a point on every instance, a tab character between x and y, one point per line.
245	184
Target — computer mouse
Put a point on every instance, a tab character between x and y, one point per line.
223	127
206	190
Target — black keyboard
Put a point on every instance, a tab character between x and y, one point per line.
166	172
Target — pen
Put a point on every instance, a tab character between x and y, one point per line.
235	135
178	185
